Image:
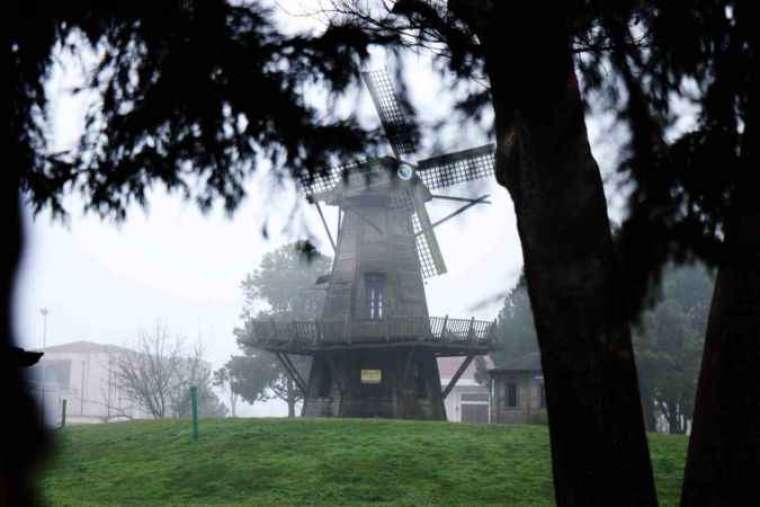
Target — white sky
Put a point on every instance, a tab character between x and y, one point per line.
104	282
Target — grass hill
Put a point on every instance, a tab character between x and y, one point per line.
321	462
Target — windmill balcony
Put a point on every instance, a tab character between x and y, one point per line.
445	335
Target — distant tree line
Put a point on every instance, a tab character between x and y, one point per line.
668	341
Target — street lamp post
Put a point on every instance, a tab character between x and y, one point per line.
44	312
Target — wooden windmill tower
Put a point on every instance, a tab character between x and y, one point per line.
374	349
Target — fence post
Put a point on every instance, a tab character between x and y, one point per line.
194	399
63	412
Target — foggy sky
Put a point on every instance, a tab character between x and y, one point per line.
104	282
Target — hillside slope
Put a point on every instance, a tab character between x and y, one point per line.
278	462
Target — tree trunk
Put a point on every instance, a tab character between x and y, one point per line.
723	462
24	440
291	399
598	442
674	419
648	407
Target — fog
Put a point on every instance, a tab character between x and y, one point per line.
104	282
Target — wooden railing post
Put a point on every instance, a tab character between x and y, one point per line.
274	330
293	332
63	413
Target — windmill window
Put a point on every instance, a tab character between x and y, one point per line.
375	295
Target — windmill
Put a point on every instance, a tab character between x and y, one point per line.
374	349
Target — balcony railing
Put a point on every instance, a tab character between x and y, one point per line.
324	333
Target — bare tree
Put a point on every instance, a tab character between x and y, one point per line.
148	373
157	373
112	396
193	370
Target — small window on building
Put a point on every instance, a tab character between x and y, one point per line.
511	395
375	295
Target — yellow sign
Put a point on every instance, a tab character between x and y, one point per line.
372	376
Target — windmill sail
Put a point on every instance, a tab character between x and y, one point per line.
459	167
398	128
428	251
316	183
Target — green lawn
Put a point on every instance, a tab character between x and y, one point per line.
325	462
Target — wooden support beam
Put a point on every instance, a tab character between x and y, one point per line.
455	378
459	199
479	200
296	373
291	371
327	229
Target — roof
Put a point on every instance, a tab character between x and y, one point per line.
83	347
447	367
528	362
24	358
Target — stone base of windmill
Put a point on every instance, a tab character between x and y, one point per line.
400	383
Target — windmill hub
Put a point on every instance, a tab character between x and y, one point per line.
405	171
374	350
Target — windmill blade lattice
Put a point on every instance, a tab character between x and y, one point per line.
459	167
396	124
316	183
428	252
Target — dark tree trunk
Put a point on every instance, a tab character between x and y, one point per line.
723	462
674	419
291	398
648	407
24	439
598	442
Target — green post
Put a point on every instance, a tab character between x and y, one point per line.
63	413
194	399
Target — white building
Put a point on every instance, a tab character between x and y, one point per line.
82	373
468	401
